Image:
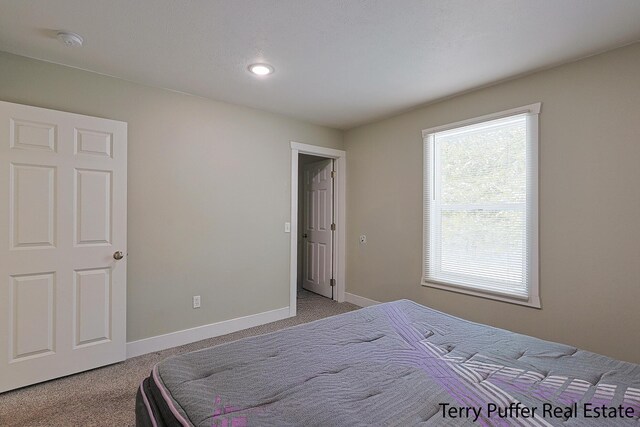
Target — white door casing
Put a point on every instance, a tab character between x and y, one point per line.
63	183
317	243
339	206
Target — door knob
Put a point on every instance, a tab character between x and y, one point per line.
304	235
117	255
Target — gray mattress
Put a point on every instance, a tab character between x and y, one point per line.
400	364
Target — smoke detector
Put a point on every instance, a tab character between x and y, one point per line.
70	39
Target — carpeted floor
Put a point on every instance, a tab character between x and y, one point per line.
106	396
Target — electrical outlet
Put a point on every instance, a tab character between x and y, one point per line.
363	239
196	301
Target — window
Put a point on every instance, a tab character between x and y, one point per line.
481	206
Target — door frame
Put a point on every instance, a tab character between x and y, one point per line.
339	199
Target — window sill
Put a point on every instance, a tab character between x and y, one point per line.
533	301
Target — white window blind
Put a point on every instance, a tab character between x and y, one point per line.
481	226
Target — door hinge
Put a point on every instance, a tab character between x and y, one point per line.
333	174
332	282
333	227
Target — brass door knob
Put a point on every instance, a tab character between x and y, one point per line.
117	255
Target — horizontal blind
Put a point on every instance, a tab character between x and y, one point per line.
478	206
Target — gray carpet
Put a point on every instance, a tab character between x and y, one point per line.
106	396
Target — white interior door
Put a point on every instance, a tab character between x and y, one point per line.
63	183
317	262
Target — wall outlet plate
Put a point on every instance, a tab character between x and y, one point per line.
196	301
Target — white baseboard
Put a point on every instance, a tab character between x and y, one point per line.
358	300
174	339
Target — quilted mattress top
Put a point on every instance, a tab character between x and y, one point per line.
402	364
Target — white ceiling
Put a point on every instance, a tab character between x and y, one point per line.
339	63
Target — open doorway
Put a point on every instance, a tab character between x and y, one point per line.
317	222
316	225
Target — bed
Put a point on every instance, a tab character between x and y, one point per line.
397	363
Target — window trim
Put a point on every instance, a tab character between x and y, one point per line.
533	299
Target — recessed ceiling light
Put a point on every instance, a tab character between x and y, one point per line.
70	39
261	69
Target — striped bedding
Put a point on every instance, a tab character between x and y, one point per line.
397	363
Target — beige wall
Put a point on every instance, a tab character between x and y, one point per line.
589	204
208	193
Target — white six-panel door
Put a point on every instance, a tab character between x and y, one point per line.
317	262
63	183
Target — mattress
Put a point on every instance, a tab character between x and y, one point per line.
397	363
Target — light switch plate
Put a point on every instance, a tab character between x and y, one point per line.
287	227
